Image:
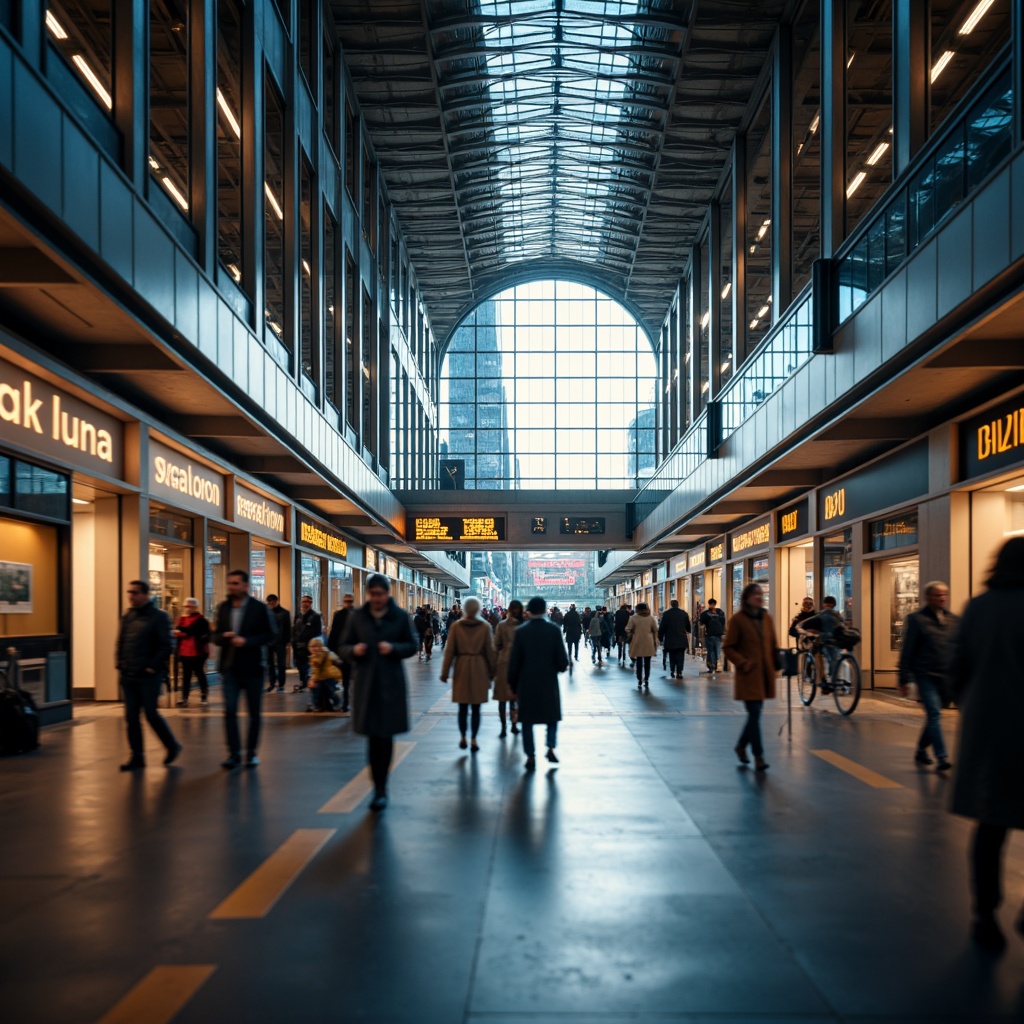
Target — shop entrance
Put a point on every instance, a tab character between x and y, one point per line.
796	580
895	589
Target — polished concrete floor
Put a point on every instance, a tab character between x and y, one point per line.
648	878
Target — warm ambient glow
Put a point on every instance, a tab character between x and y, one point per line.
58	29
228	115
1019	487
90	76
273	202
175	194
979	12
940	65
856	183
878	152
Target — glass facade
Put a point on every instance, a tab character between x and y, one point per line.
274	268
82	32
759	232
169	120
230	184
805	218
549	384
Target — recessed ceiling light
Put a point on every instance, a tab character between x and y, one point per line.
856	183
1019	487
973	18
878	152
940	65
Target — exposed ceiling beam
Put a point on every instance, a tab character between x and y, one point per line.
214	426
26	267
883	428
101	358
998	353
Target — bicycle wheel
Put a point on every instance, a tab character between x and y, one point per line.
807	680
846	684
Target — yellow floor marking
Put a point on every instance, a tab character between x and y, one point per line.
256	896
865	775
353	793
161	994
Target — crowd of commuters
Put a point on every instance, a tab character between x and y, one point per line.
515	656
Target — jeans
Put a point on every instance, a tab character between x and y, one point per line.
931	735
987	868
752	729
140	696
188	667
643	670
323	695
528	745
595	649
277	665
676	660
574	647
233	687
713	644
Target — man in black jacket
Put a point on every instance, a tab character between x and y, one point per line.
621	620
713	621
338	623
277	653
244	628
572	626
308	626
674	634
143	648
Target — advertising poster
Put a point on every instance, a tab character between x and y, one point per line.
15	588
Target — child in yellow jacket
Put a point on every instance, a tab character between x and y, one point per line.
323	676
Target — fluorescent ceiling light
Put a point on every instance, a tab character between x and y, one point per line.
856	183
979	12
816	121
175	194
154	164
763	311
1019	487
754	323
305	267
58	29
727	289
273	201
763	230
705	320
90	76
705	387
235	272
228	114
79	501
724	366
877	153
753	249
940	65
274	326
850	61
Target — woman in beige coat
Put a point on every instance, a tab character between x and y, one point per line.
750	646
503	637
642	634
471	646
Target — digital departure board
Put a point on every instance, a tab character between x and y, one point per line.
578	526
455	529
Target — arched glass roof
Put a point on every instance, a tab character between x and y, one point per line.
548	385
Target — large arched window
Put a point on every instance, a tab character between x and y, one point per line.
548	384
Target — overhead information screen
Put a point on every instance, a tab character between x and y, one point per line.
455	529
572	525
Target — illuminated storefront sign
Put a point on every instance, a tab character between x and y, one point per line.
259	514
696	559
455	529
313	535
993	440
891	481
179	479
835	504
679	566
897	532
648	577
50	422
792	522
758	536
716	552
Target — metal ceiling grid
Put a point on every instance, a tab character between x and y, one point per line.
543	137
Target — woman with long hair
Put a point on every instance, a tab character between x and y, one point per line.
471	648
503	637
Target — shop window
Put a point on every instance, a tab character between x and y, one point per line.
367	366
30	592
5	481
333	361
384	249
308	355
170	525
868	106
703	361
306	45
81	31
351	150
369	201
170	577
806	199
330	97
895	532
738	583
725	281
967	36
351	344
41	492
273	212
837	567
216	575
169	70
311	576
341	583
230	187
759	230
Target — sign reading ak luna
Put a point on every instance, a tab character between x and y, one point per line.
41	418
184	482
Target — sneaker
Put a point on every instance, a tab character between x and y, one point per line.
252	761
204	701
182	704
944	765
133	764
172	754
231	761
921	757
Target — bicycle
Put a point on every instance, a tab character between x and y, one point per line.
844	680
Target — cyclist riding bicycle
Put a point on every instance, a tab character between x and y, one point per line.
824	626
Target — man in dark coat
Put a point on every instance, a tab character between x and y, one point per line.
308	626
713	621
572	626
377	638
925	659
143	648
674	634
244	629
277	652
538	655
621	619
338	622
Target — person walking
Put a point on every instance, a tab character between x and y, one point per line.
245	627
377	638
504	636
324	674
674	634
987	674
277	652
338	622
538	655
192	631
642	634
572	627
143	650
596	631
713	621
308	624
925	659
750	646
622	617
471	647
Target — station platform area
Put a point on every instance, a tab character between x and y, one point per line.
645	878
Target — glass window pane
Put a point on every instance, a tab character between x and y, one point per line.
275	274
758	317
806	219
82	32
169	98
229	138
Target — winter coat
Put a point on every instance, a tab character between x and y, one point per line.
471	646
144	643
713	621
504	636
674	630
988	682
195	642
323	666
283	625
927	645
257	629
338	622
750	646
538	655
572	625
642	634
622	617
307	627
379	705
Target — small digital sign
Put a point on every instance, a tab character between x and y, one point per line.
455	529
581	526
540	524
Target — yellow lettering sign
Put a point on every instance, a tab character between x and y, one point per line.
752	538
316	538
716	552
790	522
835	504
1001	435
